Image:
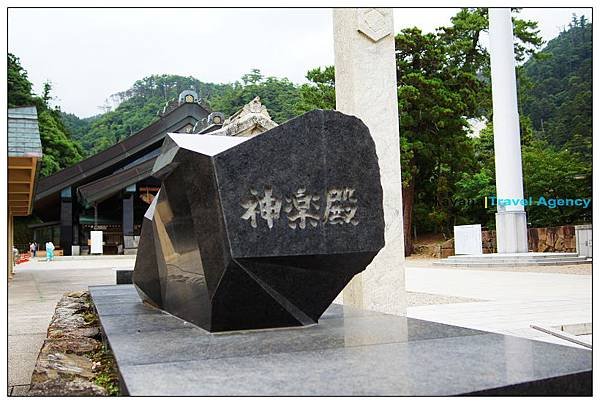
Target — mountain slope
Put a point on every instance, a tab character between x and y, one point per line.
557	93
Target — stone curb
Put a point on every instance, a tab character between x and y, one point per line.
63	366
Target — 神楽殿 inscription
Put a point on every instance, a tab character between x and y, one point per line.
302	207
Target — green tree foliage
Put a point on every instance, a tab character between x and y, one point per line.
76	126
19	87
554	173
558	94
434	99
319	93
138	106
280	96
548	171
59	150
556	133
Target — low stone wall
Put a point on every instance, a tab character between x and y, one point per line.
552	239
446	249
442	250
73	361
488	241
540	239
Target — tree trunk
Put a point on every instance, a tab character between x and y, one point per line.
408	199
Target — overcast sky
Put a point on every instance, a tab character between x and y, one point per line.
89	54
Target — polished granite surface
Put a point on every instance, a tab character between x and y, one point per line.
349	352
261	232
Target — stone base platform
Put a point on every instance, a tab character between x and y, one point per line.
513	260
124	276
88	257
350	352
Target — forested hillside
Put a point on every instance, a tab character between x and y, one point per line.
139	105
557	93
555	97
59	149
137	108
76	126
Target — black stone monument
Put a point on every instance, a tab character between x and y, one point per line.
261	232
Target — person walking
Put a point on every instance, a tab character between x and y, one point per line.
49	251
32	249
35	248
15	255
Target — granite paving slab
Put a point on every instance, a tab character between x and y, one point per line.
349	352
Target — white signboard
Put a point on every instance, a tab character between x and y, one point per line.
96	247
583	235
467	239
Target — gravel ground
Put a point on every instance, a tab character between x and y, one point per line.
580	269
427	299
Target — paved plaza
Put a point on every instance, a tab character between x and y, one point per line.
509	301
501	301
32	297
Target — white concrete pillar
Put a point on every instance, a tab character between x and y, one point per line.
511	220
365	85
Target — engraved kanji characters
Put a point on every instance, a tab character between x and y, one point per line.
340	206
268	206
301	207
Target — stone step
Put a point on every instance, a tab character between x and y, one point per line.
500	258
88	257
516	255
493	263
516	260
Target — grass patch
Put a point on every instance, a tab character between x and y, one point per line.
104	365
90	318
